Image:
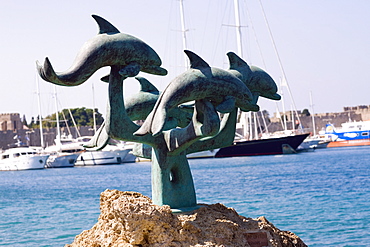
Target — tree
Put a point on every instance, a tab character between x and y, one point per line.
24	121
32	123
81	116
305	112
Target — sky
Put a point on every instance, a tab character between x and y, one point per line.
323	47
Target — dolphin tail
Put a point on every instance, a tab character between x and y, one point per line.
46	72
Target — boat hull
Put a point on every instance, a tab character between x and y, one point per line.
203	154
349	143
92	158
62	160
271	146
24	163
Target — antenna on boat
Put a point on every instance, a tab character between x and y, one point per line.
39	106
313	115
57	118
94	117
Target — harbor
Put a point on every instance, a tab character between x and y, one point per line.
207	141
321	196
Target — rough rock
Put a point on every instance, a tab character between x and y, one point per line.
130	219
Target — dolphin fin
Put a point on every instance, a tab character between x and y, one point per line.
105	26
238	64
236	61
146	86
196	61
228	105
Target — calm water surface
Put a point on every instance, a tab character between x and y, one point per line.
322	196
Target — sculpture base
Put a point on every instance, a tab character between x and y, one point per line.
130	219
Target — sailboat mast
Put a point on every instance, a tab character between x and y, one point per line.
238	28
243	115
59	144
313	115
183	30
39	106
93	94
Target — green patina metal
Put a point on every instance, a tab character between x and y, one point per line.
171	129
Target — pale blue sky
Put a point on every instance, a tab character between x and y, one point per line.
323	46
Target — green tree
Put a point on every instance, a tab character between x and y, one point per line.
24	121
32	123
82	117
305	112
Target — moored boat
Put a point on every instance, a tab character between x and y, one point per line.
22	158
64	153
270	146
349	134
114	153
91	158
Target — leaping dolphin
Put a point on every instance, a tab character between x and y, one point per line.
257	80
222	88
139	105
110	47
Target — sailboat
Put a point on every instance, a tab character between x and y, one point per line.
64	153
116	152
286	144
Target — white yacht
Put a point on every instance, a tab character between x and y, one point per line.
22	158
114	153
64	153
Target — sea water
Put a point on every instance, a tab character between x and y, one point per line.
322	196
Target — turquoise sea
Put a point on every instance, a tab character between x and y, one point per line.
322	196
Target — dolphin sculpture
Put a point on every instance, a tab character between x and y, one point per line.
222	88
257	80
108	48
139	105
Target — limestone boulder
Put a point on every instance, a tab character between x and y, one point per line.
130	219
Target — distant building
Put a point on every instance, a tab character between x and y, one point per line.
13	133
352	113
10	121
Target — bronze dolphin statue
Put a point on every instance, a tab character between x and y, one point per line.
222	88
257	80
110	47
139	105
